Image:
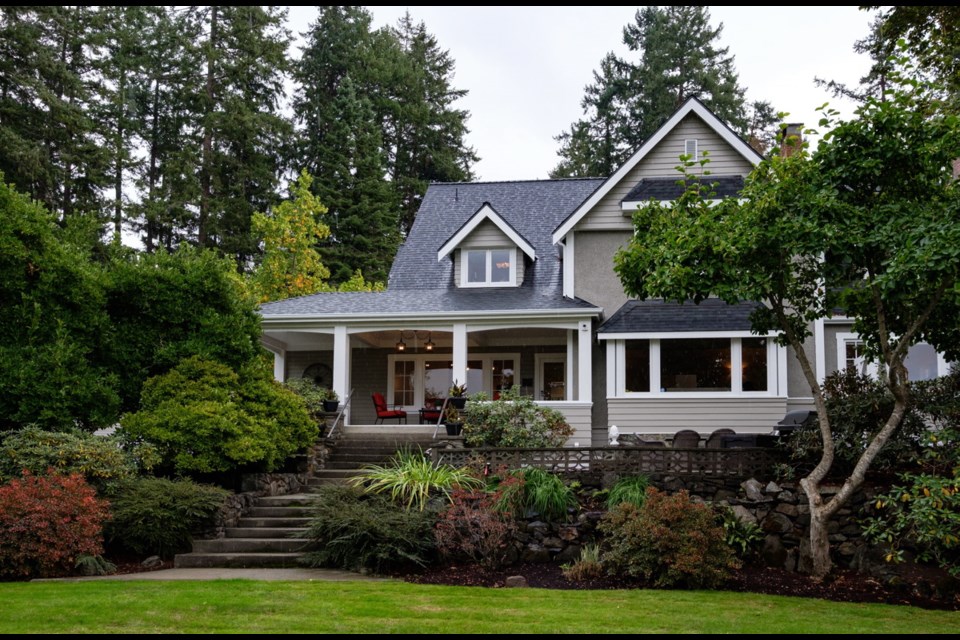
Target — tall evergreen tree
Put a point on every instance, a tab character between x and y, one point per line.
423	131
629	100
48	145
242	129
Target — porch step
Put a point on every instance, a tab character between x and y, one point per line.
251	545
271	522
260	532
279	512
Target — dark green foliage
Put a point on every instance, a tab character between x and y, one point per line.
533	490
513	421
156	516
632	489
102	461
313	396
203	417
742	536
630	99
165	307
858	407
353	530
53	329
473	528
412	479
670	542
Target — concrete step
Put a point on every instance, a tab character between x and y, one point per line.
261	532
235	560
337	473
252	545
351	463
279	512
273	522
291	500
317	482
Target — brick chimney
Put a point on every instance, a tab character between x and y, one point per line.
791	137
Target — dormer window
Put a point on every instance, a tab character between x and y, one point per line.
489	267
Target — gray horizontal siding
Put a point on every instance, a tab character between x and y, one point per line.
704	415
662	162
578	415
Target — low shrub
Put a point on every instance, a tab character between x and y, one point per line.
858	407
632	489
355	530
513	420
47	523
670	542
206	418
412	479
156	516
743	536
587	566
100	460
473	528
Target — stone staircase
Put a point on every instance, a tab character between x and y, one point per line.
264	536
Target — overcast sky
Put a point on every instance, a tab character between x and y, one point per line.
525	67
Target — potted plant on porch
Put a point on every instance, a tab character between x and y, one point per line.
331	401
458	395
453	421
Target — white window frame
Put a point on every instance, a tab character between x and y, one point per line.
419	371
776	366
464	270
872	368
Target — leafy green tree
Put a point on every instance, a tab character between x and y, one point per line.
869	222
165	307
629	100
291	265
53	329
204	417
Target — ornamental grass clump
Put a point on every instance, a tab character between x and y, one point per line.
534	490
632	489
411	479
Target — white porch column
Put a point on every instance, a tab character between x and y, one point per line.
460	355
341	361
820	350
279	365
585	362
568	393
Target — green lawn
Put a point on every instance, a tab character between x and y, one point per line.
238	606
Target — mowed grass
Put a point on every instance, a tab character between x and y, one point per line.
248	606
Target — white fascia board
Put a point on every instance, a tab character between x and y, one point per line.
669	335
630	207
485	212
692	105
325	323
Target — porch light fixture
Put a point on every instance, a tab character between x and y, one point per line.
428	345
401	345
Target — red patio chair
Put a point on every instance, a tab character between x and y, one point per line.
387	414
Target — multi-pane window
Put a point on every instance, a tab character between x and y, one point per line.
685	365
489	267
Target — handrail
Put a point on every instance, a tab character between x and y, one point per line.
340	414
443	410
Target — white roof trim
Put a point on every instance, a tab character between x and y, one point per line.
485	212
633	205
692	105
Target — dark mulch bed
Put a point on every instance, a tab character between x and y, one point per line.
844	585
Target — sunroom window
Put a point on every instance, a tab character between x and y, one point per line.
695	365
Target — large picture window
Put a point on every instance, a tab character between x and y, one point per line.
723	365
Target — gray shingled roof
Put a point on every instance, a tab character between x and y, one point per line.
657	316
394	301
533	208
420	283
670	189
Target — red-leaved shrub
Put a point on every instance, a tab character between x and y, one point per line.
473	528
46	523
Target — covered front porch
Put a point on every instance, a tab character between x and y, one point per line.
414	361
